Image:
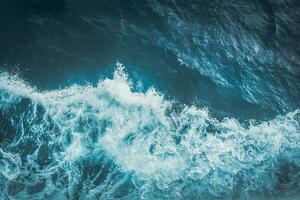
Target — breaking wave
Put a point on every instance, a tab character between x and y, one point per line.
112	141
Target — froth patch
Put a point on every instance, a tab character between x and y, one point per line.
144	135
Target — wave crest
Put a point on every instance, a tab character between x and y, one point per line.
147	140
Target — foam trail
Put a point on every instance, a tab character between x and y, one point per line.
108	142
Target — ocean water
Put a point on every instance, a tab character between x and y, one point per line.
173	99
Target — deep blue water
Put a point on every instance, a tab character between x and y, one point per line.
170	99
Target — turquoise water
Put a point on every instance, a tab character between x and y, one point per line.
149	100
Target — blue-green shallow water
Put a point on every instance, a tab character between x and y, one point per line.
149	99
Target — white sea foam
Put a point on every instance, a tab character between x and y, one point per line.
143	135
9	164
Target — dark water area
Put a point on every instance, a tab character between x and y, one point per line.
174	99
205	53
